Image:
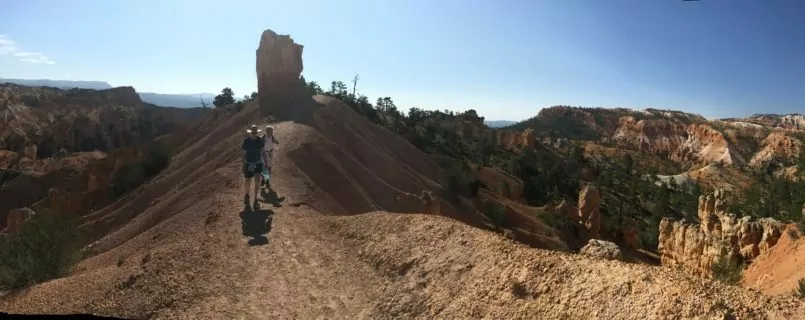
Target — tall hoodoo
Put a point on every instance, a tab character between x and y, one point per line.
279	70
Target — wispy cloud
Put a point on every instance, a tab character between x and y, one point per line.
10	47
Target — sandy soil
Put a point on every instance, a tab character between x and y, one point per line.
778	271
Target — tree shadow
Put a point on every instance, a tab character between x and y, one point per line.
257	224
272	198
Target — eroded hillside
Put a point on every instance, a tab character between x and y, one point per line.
61	149
173	249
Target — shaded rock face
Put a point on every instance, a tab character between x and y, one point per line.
602	249
91	189
697	248
589	210
43	122
16	218
279	70
67	191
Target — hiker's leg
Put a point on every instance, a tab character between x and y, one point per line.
268	182
246	180
257	180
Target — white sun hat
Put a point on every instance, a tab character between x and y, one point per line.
253	128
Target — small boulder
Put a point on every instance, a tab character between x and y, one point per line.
602	249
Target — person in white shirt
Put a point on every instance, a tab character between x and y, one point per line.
268	155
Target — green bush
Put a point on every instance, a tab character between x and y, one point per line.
157	159
46	248
800	291
727	270
131	176
496	213
555	220
128	178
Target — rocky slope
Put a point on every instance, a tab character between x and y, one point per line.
687	139
173	248
56	142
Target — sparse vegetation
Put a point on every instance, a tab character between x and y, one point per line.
46	248
727	270
131	176
496	213
800	291
555	220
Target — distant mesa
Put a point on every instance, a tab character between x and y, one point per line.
499	123
160	99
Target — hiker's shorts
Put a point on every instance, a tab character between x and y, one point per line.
252	168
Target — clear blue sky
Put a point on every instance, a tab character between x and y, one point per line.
507	59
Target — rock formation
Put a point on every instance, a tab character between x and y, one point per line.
777	146
706	145
16	218
279	70
39	122
719	234
602	249
653	136
515	140
589	210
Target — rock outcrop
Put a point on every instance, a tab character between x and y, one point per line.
654	136
602	249
777	146
719	234
279	70
16	218
515	140
706	145
589	210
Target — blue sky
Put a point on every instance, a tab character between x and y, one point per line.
506	59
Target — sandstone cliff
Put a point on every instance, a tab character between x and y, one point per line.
719	234
654	136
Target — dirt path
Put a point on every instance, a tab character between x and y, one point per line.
297	270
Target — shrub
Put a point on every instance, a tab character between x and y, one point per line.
555	220
157	159
133	175
496	213
128	178
727	270
46	248
800	291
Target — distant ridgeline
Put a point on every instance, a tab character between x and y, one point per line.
160	99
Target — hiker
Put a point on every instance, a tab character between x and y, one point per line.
252	163
268	155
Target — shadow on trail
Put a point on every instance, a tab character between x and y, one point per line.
272	198
257	224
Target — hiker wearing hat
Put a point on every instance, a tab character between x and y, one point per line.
252	163
268	154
